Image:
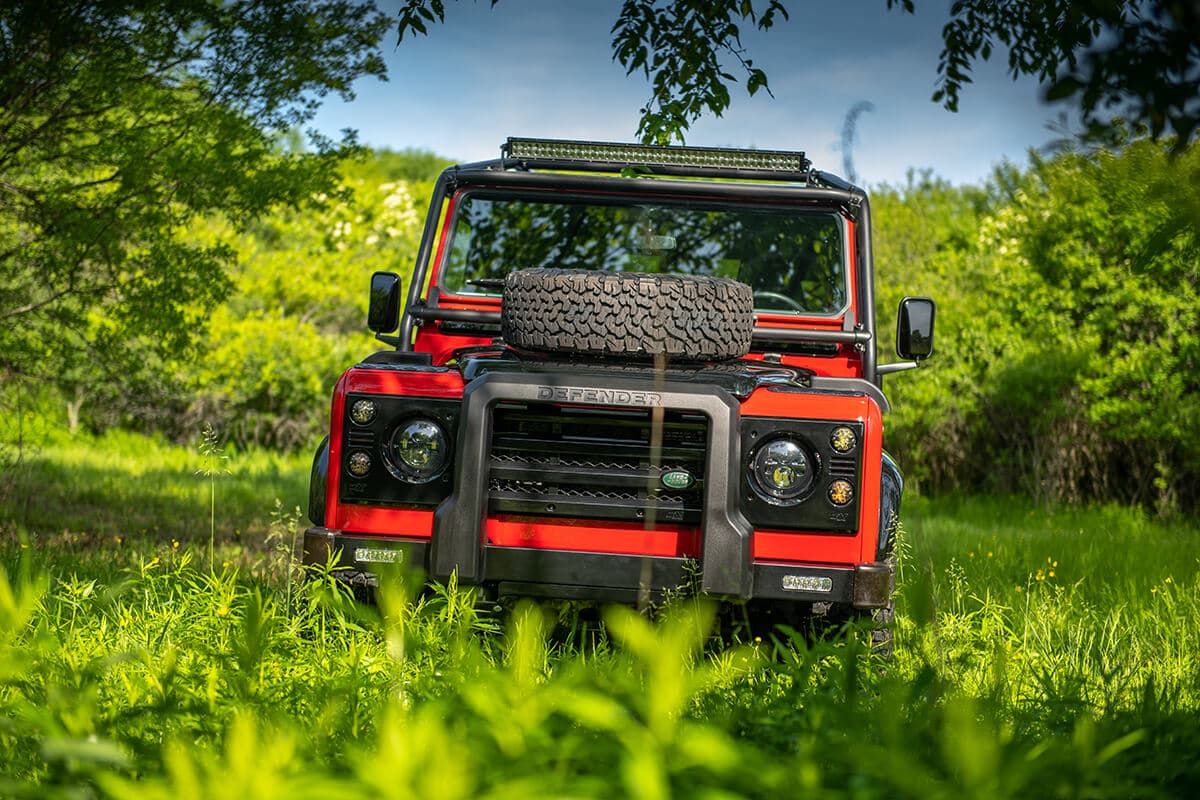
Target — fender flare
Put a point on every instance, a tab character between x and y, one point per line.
317	480
891	488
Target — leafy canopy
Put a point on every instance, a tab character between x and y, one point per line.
122	124
1138	60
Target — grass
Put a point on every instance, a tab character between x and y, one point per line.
1039	655
122	485
1090	605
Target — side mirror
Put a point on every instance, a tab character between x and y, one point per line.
914	328
383	314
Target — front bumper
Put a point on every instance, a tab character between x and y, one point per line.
602	577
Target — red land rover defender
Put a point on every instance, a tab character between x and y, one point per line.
622	369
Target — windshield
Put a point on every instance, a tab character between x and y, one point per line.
792	258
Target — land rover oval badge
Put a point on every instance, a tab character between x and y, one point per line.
678	479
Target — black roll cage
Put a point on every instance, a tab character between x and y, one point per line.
810	187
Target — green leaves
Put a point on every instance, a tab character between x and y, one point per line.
1068	310
169	681
294	320
1109	59
122	131
681	47
415	15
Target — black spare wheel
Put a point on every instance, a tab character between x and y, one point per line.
627	314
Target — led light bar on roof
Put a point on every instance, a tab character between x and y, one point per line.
567	152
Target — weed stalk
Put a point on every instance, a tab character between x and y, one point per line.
214	457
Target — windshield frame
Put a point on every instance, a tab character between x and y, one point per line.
613	197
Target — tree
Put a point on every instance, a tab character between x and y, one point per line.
295	317
1104	272
1139	60
1068	364
1126	57
123	123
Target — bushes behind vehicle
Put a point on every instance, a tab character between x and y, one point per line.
1069	334
1068	312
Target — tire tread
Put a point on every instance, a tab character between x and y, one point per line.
627	314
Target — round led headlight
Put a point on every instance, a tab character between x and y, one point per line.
421	450
782	470
359	463
362	412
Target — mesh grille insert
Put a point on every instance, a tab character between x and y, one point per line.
601	463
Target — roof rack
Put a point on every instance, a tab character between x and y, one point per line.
657	159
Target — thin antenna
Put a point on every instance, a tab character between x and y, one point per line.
848	134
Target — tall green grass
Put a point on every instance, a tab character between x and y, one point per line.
1088	607
1039	655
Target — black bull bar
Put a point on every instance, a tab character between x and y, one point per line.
458	545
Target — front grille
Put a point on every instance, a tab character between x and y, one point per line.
599	463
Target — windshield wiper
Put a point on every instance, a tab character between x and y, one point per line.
487	283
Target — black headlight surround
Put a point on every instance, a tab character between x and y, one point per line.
776	496
812	511
400	468
382	486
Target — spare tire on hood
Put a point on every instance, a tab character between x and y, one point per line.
628	314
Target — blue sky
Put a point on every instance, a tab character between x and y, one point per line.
544	68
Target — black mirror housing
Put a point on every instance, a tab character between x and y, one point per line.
383	314
914	328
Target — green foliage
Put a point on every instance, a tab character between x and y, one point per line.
86	492
1107	57
1067	329
294	320
1026	667
922	234
1111	241
679	47
267	380
263	365
417	167
122	128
